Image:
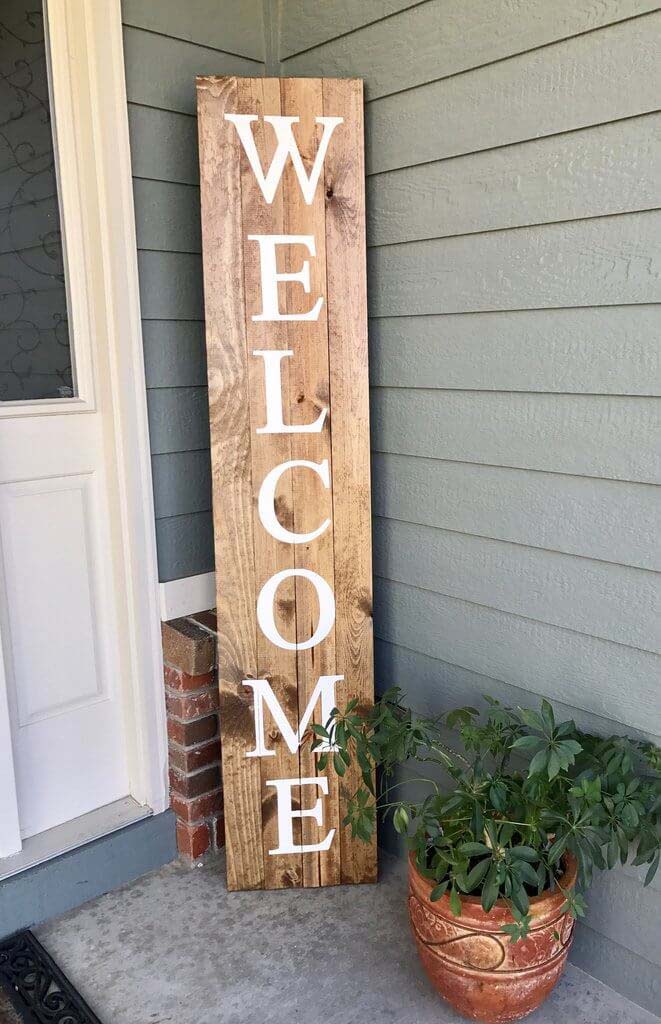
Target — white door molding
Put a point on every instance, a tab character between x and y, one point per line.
144	697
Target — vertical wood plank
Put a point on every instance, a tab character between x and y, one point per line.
262	96
229	412
309	394
347	331
328	369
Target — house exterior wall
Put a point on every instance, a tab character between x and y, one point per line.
511	166
513	268
166	45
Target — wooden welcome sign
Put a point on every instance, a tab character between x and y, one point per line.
283	227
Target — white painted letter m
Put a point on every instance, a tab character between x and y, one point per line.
263	693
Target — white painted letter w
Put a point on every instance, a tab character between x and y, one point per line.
287	146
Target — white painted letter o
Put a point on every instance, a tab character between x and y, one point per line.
266	618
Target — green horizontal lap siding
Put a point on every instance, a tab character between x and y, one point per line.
608	520
307	23
166	45
513	198
591	79
610	436
430	41
185	545
175	353
160	71
163	145
514	267
599	599
592	172
589	350
211	23
182	482
596	262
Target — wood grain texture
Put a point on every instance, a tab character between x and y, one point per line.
588	435
328	369
278	666
309	393
604	75
603	519
229	407
599	351
440	38
611	521
347	330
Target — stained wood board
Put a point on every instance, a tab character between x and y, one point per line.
326	370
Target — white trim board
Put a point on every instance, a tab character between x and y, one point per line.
187	596
146	701
86	50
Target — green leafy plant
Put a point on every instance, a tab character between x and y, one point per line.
495	817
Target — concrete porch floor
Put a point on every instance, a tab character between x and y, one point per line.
175	948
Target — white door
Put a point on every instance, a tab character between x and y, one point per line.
63	745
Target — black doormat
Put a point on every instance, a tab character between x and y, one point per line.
35	987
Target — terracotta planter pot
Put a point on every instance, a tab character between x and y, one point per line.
473	965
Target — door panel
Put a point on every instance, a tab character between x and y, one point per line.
48	580
64	653
61	664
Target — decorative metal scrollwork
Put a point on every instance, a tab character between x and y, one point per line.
37	987
35	355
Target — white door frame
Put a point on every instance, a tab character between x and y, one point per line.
94	161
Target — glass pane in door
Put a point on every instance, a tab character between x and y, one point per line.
35	352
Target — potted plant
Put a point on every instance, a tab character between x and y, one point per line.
504	834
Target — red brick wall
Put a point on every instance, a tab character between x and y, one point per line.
191	699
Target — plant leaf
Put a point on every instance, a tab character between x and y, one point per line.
490	889
548	716
527	743
652	868
473	849
554	764
438	891
539	762
476	874
524	853
455	902
526	872
557	849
